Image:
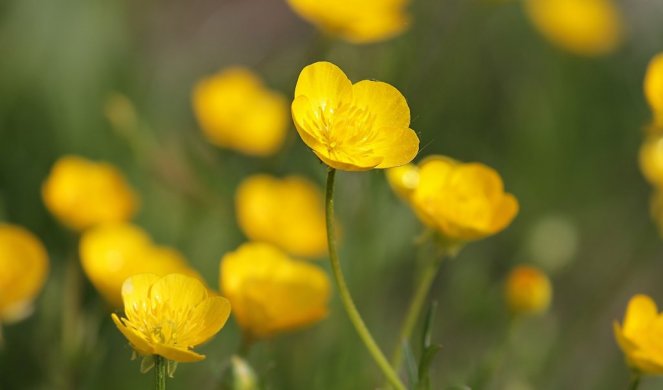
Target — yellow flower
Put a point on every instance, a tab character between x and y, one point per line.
403	180
236	111
363	21
654	88
288	213
527	290
83	193
23	270
584	27
112	253
651	159
170	315
640	335
461	201
271	293
352	127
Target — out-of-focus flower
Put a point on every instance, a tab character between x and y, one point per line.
82	193
112	253
355	21
461	201
288	213
654	88
527	290
270	292
584	27
640	335
353	127
170	315
403	180
651	159
23	270
236	111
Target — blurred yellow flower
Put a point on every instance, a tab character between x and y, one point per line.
270	292
112	253
23	271
352	127
654	88
584	27
236	111
640	335
527	290
403	180
355	21
461	201
288	213
651	159
170	315
82	193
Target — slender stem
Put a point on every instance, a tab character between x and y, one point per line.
635	381
159	372
71	317
344	293
414	310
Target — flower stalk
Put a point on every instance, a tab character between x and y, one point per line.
159	372
635	381
346	298
414	309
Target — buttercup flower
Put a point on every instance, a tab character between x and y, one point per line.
403	180
23	270
651	159
461	201
654	88
584	27
271	293
236	111
640	335
82	193
352	127
170	315
112	253
527	290
357	22
288	213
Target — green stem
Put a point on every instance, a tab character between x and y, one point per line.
245	345
159	372
71	317
635	381
414	310
344	293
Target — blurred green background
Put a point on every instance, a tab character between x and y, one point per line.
482	85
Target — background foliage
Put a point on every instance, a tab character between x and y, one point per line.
482	85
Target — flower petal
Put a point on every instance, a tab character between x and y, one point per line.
135	293
181	292
384	101
640	313
177	354
396	145
137	340
306	120
210	316
324	84
506	211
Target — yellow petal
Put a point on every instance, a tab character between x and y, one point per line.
137	340
305	117
175	354
384	102
640	313
181	292
397	146
324	84
506	212
653	86
209	317
346	162
135	293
